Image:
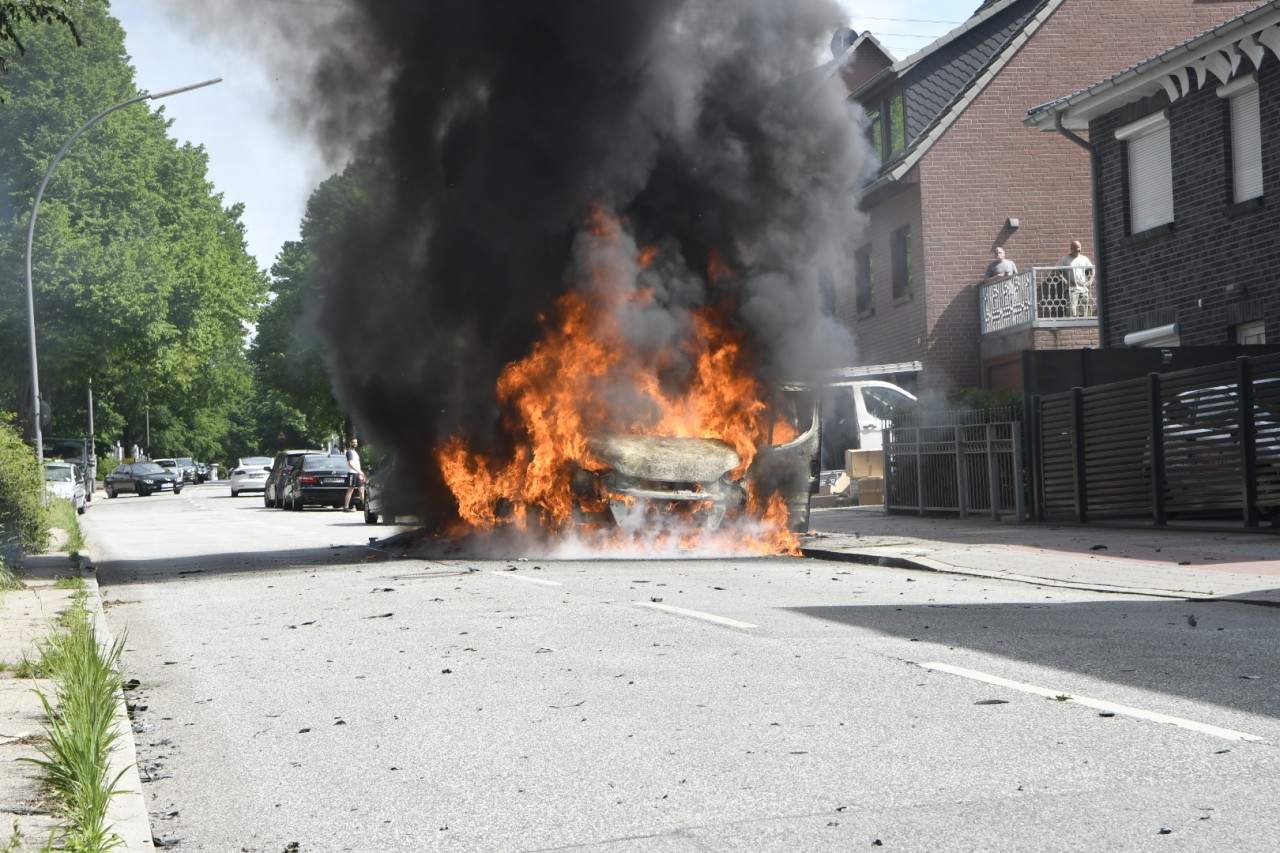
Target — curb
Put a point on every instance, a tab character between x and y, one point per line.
127	813
923	564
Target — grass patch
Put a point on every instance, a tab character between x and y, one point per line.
9	579
80	731
62	514
73	582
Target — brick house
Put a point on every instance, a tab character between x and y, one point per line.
1187	160
961	175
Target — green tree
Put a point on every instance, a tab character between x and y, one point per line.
290	362
13	15
143	282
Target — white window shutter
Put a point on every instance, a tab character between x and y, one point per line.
1150	179
1246	145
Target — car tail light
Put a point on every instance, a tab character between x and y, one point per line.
308	479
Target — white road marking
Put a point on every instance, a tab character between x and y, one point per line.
1111	707
697	614
525	578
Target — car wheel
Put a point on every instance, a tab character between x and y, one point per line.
80	510
111	492
370	517
142	490
177	490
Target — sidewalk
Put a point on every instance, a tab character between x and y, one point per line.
27	618
1178	563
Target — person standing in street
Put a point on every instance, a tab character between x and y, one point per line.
355	475
1079	276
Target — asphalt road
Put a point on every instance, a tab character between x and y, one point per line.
297	687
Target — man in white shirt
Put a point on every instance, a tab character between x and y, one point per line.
354	475
1079	277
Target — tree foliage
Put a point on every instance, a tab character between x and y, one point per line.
290	361
14	14
143	284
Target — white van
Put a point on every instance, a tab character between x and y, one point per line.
853	414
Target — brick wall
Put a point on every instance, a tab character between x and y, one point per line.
893	330
1183	273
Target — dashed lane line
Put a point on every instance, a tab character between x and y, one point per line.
696	614
1108	707
526	578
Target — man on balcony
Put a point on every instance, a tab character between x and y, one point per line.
1079	276
1001	267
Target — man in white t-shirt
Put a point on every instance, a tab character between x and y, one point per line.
355	476
1079	278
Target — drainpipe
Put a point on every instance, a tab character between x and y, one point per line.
1098	250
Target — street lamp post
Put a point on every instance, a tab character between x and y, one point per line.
31	230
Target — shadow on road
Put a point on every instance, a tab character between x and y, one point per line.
1233	644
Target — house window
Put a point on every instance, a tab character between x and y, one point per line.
1246	136
1150	172
864	291
887	126
900	247
1254	332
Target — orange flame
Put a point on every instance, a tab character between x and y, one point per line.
581	380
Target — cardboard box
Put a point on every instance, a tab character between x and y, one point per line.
864	463
870	491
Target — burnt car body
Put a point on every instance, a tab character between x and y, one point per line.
648	478
141	478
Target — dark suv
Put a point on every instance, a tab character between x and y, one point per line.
272	495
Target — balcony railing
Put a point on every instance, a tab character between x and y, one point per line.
1038	294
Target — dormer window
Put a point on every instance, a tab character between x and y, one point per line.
887	125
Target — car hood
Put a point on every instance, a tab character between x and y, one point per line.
665	458
61	489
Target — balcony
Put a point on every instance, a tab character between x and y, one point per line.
1039	297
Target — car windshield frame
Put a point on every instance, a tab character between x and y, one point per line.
64	474
256	462
148	468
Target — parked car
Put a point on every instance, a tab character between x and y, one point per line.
318	479
1203	450
190	473
202	472
141	478
280	469
853	416
63	480
250	475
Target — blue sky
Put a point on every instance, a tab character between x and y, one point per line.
258	159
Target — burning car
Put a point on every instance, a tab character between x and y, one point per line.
648	479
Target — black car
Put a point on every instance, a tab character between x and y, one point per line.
141	478
318	479
285	460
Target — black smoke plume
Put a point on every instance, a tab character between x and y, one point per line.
495	127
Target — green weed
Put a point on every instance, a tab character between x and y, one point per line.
72	582
80	730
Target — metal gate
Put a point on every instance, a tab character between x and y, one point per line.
959	462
